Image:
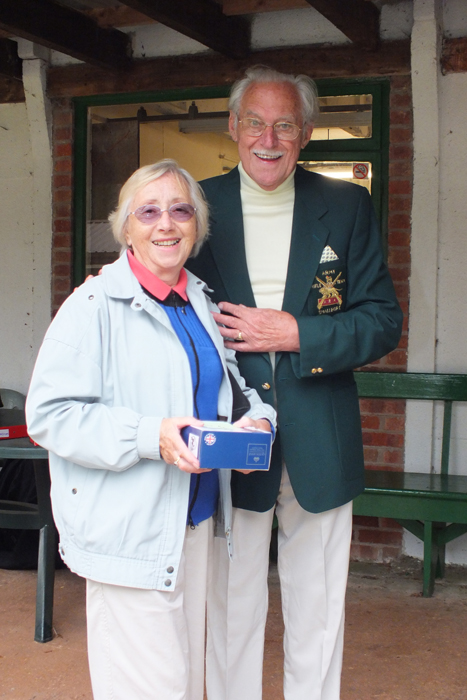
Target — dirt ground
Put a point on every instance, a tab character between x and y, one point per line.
398	645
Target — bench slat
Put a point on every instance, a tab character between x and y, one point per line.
405	385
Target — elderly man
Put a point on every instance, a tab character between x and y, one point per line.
296	265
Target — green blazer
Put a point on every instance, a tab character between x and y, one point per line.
347	314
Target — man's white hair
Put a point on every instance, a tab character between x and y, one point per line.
304	85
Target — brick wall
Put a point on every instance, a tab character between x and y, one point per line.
383	422
62	198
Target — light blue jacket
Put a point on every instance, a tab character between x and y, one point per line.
109	370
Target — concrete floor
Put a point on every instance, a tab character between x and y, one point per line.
398	645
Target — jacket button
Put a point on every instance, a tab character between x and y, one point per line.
167	582
170	570
74	491
266	386
137	306
314	370
320	369
91	297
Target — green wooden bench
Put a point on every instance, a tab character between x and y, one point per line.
433	507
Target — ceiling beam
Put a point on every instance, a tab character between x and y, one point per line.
121	16
10	62
206	70
248	7
357	19
203	21
71	32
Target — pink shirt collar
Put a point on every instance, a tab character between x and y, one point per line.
153	284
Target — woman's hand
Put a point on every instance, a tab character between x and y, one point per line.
172	448
260	424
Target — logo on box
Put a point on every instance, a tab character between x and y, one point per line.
209	439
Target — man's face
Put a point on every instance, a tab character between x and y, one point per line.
267	160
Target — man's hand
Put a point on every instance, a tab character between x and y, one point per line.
257	330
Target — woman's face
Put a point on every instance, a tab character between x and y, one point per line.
163	246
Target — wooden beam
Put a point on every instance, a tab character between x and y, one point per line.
248	7
203	21
357	19
121	16
10	62
454	55
344	61
73	33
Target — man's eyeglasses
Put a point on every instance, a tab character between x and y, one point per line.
150	214
285	131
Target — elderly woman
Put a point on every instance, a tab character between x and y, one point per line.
132	357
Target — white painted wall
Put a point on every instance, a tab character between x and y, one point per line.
16	256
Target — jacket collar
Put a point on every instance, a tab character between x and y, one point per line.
120	282
309	236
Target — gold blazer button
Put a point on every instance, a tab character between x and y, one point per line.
266	386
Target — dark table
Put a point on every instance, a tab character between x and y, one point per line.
26	516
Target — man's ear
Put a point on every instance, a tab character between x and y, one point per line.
307	131
233	122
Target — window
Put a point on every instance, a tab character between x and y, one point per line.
115	134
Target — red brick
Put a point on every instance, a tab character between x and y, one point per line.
399	238
62	195
370	422
63	165
63	149
399	202
370	454
399	135
400	100
399	221
62	240
62	133
383	439
393	457
62	117
400	151
400	187
400	168
400	83
393	423
364	553
390	524
62	270
61	256
400	117
390	553
58	299
379	536
62	210
62	225
397	357
61	285
398	255
62	180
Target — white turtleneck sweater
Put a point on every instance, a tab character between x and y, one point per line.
267	220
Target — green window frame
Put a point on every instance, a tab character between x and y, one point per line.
374	150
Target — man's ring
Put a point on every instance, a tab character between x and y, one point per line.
239	337
177	460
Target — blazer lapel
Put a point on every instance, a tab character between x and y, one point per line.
309	236
228	243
